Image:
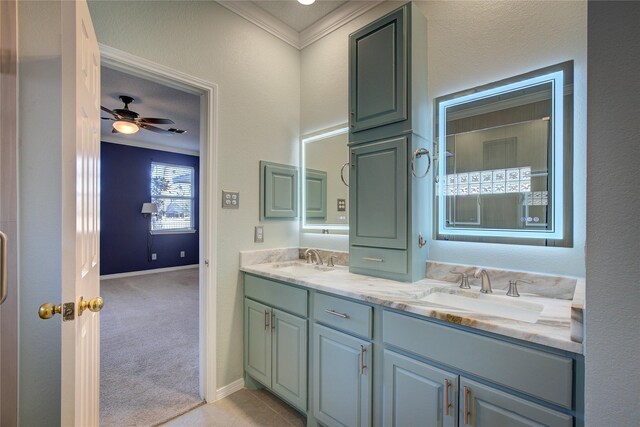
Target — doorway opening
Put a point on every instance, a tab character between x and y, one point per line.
158	325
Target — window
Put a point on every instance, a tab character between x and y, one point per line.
173	193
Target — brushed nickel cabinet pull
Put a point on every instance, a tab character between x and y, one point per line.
362	365
447	402
366	258
266	319
273	320
335	313
3	267
466	405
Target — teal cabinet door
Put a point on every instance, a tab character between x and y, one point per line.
289	356
418	394
378	72
378	194
483	406
341	379
257	341
278	191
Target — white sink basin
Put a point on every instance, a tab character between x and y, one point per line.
301	267
489	304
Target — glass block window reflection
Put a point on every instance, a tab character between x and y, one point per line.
172	191
499	181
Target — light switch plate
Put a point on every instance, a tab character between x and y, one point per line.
230	199
258	234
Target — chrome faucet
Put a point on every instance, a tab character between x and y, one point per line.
309	252
486	281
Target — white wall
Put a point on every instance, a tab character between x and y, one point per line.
613	239
469	43
258	77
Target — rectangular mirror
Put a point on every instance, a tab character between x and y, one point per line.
324	180
505	175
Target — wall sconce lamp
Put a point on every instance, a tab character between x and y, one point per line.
148	209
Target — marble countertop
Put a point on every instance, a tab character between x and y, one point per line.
553	327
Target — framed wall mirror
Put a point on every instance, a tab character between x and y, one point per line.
504	160
324	180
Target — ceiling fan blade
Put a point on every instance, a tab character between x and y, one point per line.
107	118
178	131
155	129
106	110
156	121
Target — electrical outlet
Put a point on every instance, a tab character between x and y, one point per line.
154	257
181	254
258	234
342	205
230	199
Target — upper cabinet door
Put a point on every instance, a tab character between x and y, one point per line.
278	191
378	72
378	193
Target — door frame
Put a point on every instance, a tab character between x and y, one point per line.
208	92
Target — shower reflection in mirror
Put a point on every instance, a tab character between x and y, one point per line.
324	180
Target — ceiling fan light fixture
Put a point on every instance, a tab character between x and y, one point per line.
126	127
306	2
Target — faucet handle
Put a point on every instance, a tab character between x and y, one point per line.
330	261
513	287
464	279
308	257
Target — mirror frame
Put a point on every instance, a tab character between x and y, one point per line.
561	78
340	129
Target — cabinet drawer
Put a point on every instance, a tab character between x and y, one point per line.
342	314
390	260
543	375
287	298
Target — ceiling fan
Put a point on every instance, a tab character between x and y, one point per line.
129	122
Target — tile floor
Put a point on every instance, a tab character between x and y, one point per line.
244	408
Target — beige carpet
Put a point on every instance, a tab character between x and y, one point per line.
149	348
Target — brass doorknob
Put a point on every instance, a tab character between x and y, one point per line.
94	305
48	310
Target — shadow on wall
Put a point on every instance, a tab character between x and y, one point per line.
125	185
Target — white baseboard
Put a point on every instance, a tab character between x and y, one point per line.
225	391
143	272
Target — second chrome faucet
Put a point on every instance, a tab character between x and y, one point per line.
485	288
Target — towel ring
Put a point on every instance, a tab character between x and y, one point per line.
342	173
419	152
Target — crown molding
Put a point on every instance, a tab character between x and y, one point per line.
149	146
334	20
264	20
331	22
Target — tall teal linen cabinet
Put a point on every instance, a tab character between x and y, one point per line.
388	122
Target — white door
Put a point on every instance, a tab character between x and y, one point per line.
80	216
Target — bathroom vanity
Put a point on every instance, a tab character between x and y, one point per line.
352	350
372	342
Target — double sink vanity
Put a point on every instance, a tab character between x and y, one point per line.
352	350
382	335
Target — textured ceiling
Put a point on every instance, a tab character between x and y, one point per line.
297	16
152	100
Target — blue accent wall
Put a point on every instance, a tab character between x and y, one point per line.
125	175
